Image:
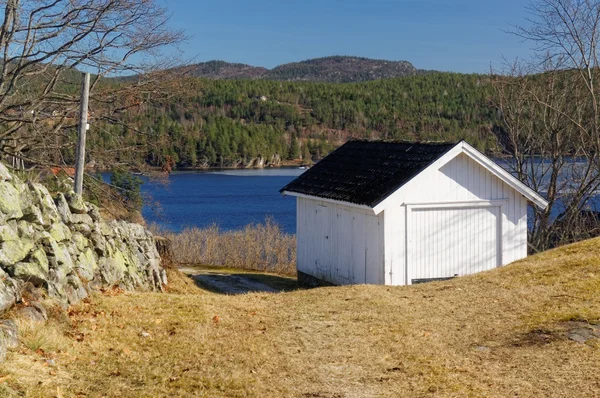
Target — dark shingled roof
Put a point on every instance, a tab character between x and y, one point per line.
367	172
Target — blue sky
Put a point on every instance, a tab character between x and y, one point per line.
453	35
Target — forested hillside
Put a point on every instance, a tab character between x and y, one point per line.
236	122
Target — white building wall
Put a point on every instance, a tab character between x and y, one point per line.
460	180
339	244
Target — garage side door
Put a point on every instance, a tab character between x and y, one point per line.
447	242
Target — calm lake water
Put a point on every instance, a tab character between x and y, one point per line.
231	199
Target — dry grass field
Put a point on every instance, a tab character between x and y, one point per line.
497	334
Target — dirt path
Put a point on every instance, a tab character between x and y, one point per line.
227	283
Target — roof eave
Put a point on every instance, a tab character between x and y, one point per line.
505	176
333	201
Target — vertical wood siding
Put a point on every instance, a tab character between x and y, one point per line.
451	242
460	180
339	244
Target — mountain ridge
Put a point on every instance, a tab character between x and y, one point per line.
332	69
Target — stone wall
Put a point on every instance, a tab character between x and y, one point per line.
60	247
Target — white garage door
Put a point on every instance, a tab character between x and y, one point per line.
448	242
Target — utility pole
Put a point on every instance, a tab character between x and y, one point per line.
83	124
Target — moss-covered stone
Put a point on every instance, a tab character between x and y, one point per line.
94	212
25	197
74	289
12	252
34	215
107	229
7	233
38	256
64	245
7	294
44	201
10	204
119	261
4	173
110	271
82	219
63	209
76	203
86	264
80	241
63	258
60	232
84	229
28	230
30	272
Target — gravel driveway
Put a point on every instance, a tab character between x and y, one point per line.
227	283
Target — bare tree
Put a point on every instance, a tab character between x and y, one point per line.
551	118
44	42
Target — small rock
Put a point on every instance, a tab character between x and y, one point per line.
40	308
97	238
74	289
94	212
76	203
34	215
82	219
9	332
30	314
8	293
26	229
582	335
50	362
86	264
4	173
84	229
145	334
63	209
44	201
80	241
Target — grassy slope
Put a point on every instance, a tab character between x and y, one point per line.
331	342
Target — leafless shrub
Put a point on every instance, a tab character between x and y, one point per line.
43	45
262	247
550	112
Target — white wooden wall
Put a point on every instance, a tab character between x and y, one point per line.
460	180
338	243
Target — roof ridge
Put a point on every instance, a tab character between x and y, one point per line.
394	141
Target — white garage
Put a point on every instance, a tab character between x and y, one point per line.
399	213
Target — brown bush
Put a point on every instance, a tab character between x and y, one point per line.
262	247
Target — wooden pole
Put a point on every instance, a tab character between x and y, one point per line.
83	119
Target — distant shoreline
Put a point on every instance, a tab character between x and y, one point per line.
289	164
283	165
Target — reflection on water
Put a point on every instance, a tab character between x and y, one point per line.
283	172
